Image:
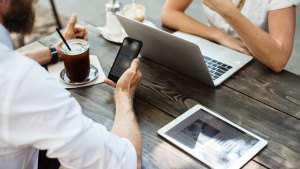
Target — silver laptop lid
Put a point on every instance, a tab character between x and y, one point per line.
168	50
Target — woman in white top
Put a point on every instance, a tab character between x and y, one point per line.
264	29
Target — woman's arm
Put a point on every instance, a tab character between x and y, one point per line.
174	17
273	48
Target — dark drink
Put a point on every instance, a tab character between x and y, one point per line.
76	61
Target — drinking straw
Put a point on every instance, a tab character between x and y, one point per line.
62	37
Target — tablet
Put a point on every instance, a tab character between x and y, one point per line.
212	139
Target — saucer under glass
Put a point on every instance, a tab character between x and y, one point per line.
92	76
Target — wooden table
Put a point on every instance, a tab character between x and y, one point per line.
259	100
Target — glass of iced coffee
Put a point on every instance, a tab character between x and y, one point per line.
134	11
76	60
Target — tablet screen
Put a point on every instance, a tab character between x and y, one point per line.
213	140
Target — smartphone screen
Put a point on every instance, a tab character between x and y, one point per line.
128	51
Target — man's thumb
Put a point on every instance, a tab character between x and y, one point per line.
72	22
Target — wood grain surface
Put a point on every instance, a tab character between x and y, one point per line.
255	98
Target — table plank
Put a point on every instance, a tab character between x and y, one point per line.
30	46
278	90
97	103
92	100
253	165
99	99
173	93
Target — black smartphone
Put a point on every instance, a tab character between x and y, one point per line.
128	51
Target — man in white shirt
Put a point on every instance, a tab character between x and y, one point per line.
264	29
37	113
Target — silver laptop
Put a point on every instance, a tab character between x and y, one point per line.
190	55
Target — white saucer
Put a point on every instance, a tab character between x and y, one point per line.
119	38
93	75
112	38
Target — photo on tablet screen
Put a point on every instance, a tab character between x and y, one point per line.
200	131
215	141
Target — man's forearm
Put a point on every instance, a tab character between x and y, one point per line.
125	124
124	118
41	55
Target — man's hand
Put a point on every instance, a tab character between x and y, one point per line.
73	30
125	124
128	82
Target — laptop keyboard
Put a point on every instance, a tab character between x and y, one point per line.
216	68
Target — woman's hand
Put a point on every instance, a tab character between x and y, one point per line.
233	43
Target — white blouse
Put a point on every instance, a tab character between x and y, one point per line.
255	10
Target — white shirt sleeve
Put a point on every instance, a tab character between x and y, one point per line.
44	116
280	4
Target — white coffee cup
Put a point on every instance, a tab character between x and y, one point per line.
113	25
